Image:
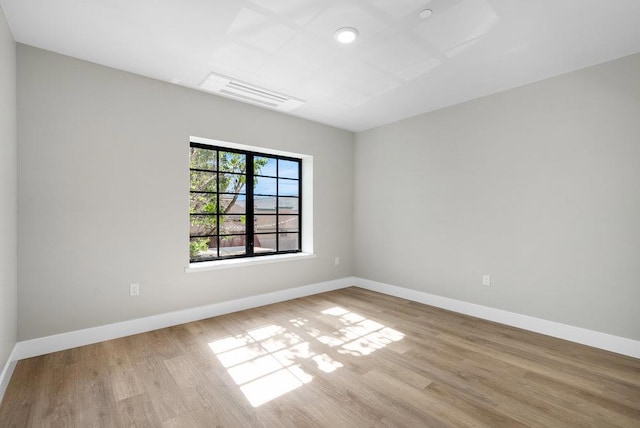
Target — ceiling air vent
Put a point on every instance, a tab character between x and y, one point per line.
242	91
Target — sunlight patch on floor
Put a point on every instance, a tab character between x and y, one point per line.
267	362
360	336
262	362
274	385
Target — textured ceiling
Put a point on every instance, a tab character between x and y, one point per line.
401	66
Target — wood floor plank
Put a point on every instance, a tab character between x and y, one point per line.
96	403
61	396
349	357
124	381
137	411
24	407
161	389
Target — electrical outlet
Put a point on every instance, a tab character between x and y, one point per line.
486	279
337	261
134	290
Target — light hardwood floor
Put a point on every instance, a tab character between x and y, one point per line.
347	358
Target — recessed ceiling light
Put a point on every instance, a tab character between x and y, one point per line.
426	13
346	35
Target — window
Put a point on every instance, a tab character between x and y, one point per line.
243	203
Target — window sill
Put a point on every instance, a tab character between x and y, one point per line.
231	263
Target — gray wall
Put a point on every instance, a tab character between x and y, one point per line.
103	194
538	186
8	196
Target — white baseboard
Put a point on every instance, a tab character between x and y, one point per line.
620	345
7	371
60	342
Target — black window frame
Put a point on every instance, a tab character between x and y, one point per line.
250	211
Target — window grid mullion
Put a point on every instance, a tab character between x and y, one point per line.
249	223
217	203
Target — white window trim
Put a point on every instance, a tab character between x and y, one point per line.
246	261
307	212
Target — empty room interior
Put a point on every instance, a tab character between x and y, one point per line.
265	213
